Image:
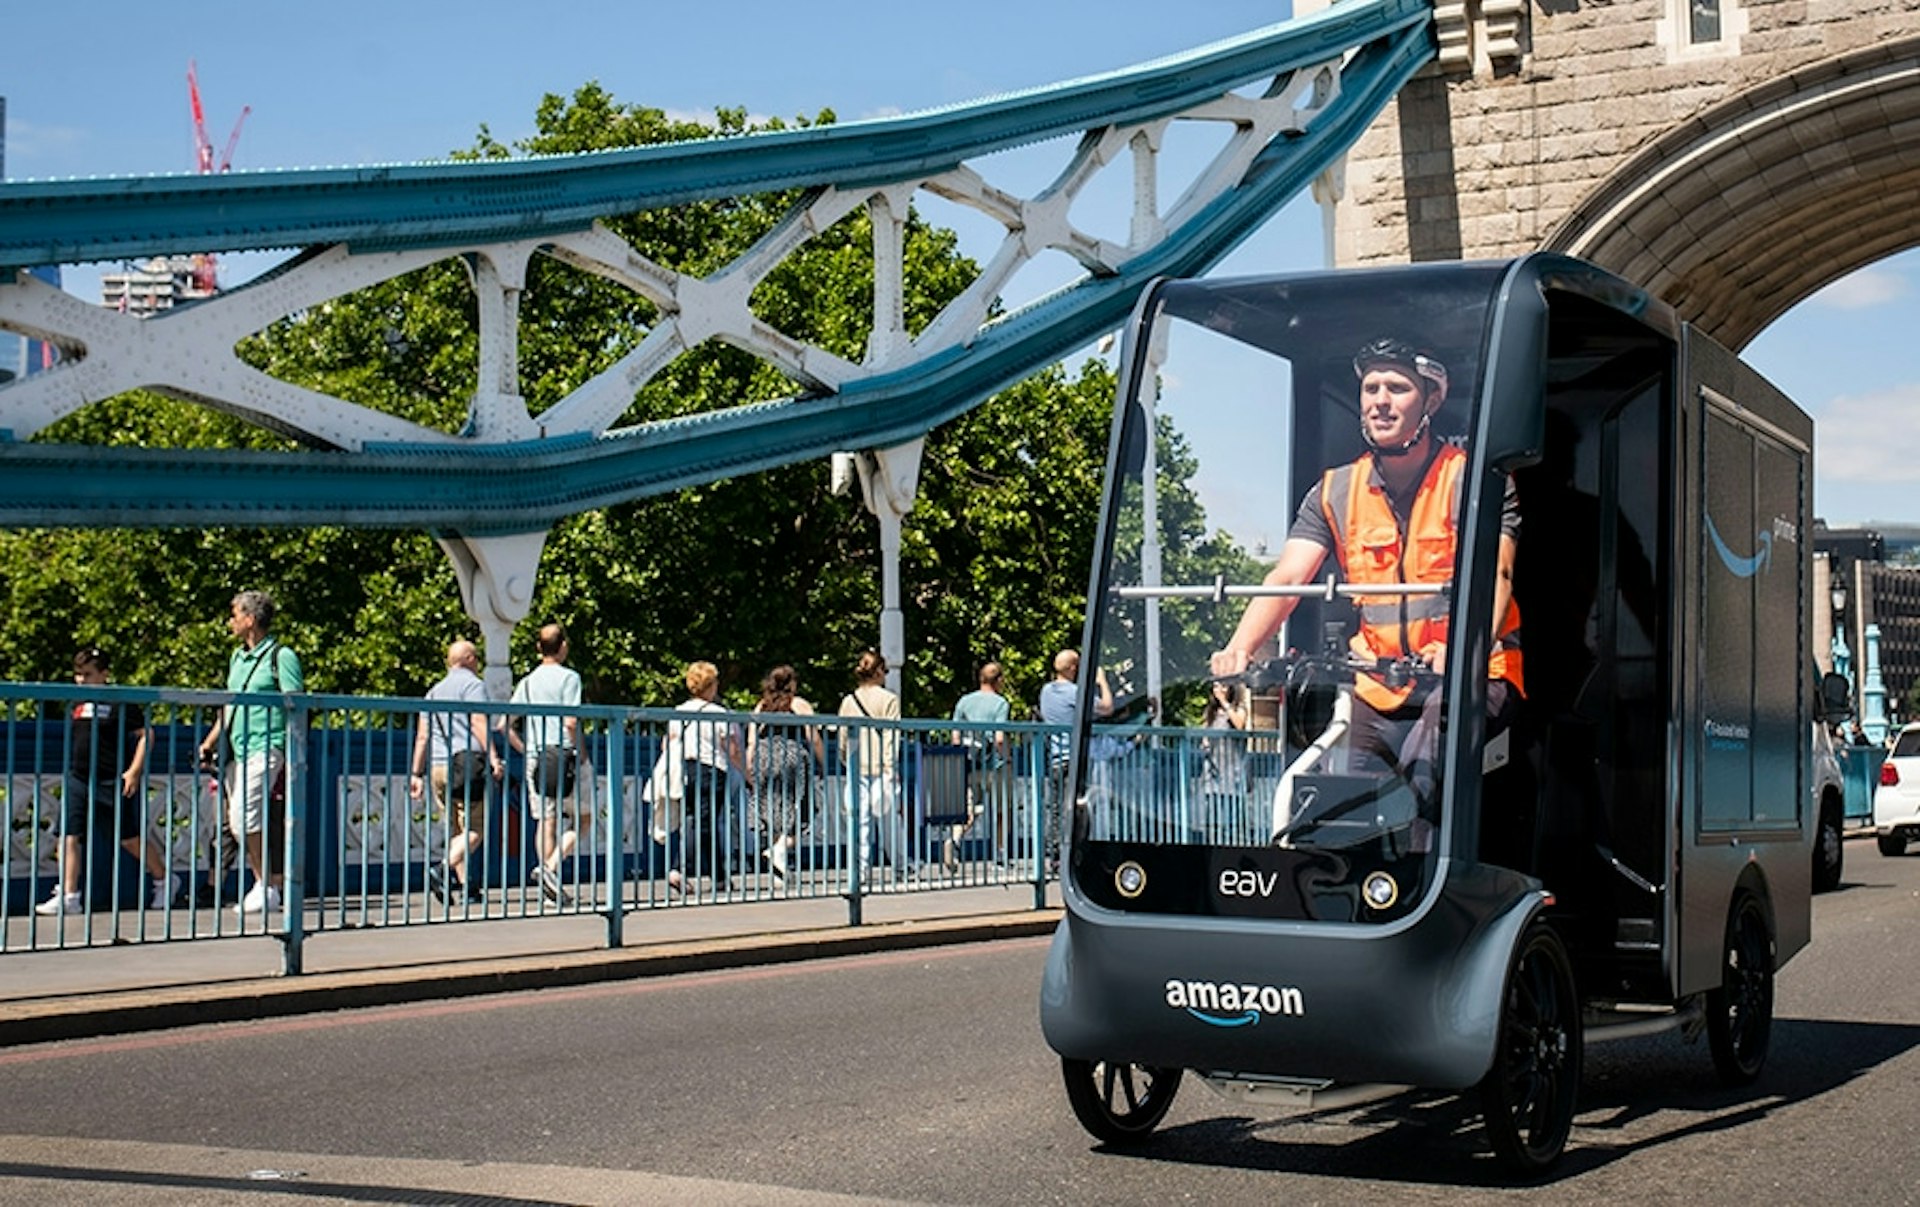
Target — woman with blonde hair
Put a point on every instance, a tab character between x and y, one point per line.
710	746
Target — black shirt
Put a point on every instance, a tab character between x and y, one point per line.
108	726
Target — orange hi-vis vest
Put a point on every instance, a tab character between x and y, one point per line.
1372	549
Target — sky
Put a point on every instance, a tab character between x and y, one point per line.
354	82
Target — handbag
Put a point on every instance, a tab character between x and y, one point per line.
467	775
553	778
667	785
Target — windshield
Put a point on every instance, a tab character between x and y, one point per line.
1272	623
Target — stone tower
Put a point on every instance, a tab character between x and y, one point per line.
1731	155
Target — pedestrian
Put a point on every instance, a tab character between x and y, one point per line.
553	758
989	772
107	754
1060	706
782	760
873	794
256	737
710	748
453	757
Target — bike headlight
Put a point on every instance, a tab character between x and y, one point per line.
1380	890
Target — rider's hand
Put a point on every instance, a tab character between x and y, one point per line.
1435	656
1229	661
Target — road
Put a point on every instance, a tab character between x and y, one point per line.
921	1077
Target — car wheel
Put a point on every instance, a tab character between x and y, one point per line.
1528	1096
1118	1103
1893	843
1740	1010
1829	849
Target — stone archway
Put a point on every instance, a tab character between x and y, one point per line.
1733	176
1761	200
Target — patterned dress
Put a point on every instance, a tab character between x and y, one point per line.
783	769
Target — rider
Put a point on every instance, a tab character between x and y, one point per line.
1402	493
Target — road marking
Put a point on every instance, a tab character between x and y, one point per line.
132	1171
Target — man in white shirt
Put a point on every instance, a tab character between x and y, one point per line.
552	746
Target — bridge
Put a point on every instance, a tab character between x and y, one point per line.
1684	151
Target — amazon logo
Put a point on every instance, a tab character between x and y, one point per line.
1231	1005
1763	539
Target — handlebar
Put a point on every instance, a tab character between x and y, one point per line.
1287	669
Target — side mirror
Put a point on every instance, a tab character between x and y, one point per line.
1836	697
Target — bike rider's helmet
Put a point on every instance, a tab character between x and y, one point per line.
1418	365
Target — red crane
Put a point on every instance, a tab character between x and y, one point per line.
205	275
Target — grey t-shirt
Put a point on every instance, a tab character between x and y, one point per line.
1059	700
451	733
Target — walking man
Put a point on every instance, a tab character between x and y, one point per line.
257	736
454	758
1060	705
552	746
989	774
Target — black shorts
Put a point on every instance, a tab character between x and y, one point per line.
111	812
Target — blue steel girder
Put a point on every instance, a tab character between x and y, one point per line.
511	472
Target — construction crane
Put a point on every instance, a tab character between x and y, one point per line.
205	270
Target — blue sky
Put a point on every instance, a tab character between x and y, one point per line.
355	82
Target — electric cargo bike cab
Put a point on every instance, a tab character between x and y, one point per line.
1444	701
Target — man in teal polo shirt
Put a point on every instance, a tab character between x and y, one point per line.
257	734
989	773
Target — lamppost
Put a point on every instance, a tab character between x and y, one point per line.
1873	691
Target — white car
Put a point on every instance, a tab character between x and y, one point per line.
1896	803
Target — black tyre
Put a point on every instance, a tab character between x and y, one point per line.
1118	1103
1829	849
1528	1096
1894	844
1740	1011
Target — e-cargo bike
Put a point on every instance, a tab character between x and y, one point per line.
1432	746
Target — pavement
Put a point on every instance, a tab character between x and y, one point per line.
83	991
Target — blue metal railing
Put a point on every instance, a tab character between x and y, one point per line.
357	847
793	807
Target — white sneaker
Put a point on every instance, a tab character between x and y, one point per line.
164	891
261	896
60	903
